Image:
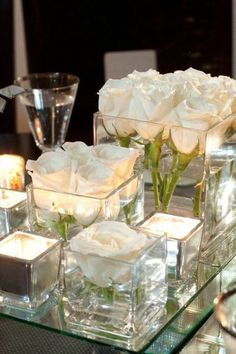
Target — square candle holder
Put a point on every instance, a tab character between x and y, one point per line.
29	269
116	301
13	210
65	214
185	168
184	237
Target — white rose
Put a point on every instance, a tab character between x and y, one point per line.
196	113
107	240
87	198
53	170
151	104
115	100
87	210
187	140
121	160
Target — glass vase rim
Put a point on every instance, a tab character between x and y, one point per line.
171	125
136	174
75	80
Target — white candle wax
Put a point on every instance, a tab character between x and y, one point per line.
25	246
176	227
12	169
9	198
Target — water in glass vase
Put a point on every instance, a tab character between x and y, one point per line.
48	117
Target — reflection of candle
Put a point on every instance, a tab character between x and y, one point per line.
9	198
29	267
13	211
12	168
177	227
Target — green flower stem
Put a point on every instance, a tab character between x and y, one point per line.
197	199
129	209
155	188
154	152
146	155
180	162
169	192
124	141
61	226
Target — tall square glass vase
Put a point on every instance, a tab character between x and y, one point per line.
116	301
189	172
65	214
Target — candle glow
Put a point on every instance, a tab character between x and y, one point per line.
176	227
12	171
25	246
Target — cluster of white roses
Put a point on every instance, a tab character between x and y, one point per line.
78	180
81	169
190	99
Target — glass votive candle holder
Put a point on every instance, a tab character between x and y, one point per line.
184	236
13	210
12	172
119	299
29	269
225	314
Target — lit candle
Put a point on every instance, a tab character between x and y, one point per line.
24	246
177	227
184	236
12	170
29	268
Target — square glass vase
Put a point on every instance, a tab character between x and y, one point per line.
65	214
13	210
184	237
29	269
189	171
115	301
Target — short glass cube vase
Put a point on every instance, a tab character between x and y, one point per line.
29	269
64	214
184	237
13	210
185	168
117	301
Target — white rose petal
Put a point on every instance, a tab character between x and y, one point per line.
185	140
120	160
148	75
53	170
96	179
79	151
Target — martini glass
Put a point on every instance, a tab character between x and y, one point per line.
49	99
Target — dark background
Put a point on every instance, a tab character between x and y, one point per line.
72	36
